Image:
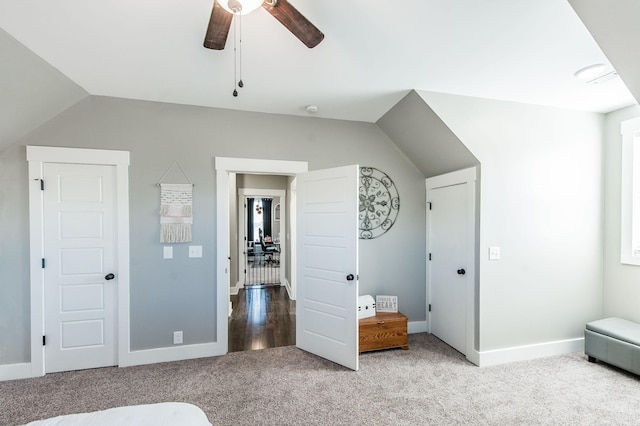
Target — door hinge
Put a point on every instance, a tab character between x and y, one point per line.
43	263
429	307
44	340
429	256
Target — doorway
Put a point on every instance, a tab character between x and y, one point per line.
262	311
451	229
79	256
262	223
320	188
263	317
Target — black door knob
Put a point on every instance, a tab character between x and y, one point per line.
350	277
109	277
461	272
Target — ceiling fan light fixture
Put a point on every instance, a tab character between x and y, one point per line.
590	72
240	7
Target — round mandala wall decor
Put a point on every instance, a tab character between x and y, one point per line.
379	203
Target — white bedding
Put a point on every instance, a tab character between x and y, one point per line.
163	414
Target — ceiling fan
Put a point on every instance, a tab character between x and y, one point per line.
282	10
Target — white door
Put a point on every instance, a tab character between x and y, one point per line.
80	254
327	268
448	253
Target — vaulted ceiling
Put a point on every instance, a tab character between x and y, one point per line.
373	54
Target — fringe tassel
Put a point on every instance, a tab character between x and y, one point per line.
175	232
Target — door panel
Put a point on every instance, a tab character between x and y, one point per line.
80	249
447	237
327	238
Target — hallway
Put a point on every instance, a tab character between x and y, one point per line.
263	317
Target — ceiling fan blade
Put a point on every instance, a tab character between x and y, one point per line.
294	21
218	28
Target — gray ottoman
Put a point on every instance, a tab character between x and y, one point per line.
614	341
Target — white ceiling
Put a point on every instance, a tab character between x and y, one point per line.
373	53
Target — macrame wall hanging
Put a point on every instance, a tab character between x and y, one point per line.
176	209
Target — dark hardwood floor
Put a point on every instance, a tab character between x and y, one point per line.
263	317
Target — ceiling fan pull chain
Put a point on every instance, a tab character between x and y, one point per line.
235	56
240	83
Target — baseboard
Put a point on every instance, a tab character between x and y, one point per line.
416	327
15	371
287	285
149	356
524	353
473	357
234	289
176	353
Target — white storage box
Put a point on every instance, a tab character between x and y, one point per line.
366	306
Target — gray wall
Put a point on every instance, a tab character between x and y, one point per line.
422	136
31	90
541	202
179	294
621	282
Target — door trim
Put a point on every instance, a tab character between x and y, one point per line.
465	176
37	156
225	166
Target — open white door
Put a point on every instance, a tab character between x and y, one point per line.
327	264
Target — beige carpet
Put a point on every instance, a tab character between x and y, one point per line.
430	384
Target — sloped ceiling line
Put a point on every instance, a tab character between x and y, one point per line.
424	138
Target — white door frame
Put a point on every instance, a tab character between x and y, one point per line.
37	156
293	255
224	166
243	194
465	176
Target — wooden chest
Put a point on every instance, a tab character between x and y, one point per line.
382	331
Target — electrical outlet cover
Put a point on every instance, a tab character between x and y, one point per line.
195	251
494	253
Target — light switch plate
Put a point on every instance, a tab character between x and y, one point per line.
167	252
494	253
195	251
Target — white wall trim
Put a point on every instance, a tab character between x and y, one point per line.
16	371
37	156
175	353
254	165
414	327
528	352
287	285
234	289
224	166
630	131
